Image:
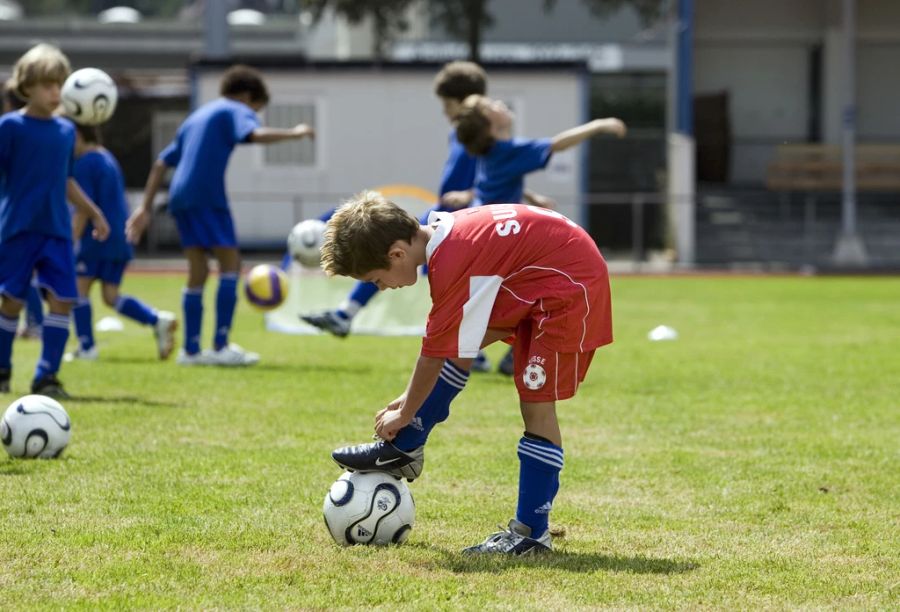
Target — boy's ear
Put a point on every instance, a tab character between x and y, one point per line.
397	250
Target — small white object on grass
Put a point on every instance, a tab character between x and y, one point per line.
662	332
109	324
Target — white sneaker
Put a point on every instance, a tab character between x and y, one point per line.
189	359
164	331
90	354
229	356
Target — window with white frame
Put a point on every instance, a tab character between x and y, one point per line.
291	152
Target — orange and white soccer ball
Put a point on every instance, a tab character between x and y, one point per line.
266	286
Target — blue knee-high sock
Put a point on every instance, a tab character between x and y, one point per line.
34	307
540	462
135	309
363	292
7	335
226	300
192	304
84	327
54	337
435	409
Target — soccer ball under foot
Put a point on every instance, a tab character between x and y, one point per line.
369	508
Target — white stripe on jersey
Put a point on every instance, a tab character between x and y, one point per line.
477	313
587	304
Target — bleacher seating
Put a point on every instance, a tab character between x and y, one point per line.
819	167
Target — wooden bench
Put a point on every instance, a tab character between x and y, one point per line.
819	167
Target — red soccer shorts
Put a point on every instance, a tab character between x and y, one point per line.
542	374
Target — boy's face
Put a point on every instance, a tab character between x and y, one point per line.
43	97
402	271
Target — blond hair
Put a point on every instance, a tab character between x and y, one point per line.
41	64
361	232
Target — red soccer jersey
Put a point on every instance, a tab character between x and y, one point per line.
497	265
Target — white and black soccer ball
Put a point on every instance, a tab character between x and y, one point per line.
369	508
89	96
305	242
35	426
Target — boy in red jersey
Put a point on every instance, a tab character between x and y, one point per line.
518	273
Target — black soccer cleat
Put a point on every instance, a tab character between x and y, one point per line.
5	375
50	386
515	541
329	321
381	456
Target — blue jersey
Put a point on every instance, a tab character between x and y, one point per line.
459	169
501	173
201	150
35	165
99	175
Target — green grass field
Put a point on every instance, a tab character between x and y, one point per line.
753	463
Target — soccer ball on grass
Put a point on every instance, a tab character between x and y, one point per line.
89	96
35	426
369	508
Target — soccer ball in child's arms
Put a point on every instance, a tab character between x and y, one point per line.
266	286
305	242
369	508
89	96
35	426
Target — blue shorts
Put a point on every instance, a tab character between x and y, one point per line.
205	228
108	271
50	256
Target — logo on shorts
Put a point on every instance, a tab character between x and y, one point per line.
534	376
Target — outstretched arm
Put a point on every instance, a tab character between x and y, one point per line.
267	135
140	218
575	135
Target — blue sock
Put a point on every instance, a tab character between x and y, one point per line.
436	408
192	304
135	309
363	292
84	327
7	335
35	308
540	462
54	337
226	300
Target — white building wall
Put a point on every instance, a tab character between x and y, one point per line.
760	53
385	127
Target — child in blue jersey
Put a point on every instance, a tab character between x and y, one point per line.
484	127
34	307
455	82
36	156
197	201
99	175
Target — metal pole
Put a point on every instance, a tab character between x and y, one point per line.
849	250
215	31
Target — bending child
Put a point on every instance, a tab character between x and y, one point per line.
518	273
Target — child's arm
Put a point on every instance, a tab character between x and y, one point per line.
401	411
458	199
573	136
86	207
266	135
536	199
140	218
78	223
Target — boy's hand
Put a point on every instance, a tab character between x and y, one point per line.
301	130
390	420
101	228
137	223
457	199
614	126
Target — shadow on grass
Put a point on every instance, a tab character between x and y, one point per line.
568	561
312	368
121	399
